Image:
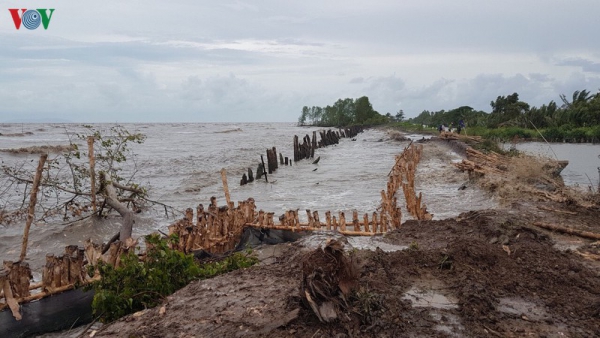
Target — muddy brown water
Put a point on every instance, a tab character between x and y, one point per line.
479	290
583	169
180	165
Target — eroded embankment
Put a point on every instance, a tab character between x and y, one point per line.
484	273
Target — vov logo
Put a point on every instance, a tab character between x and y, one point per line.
31	18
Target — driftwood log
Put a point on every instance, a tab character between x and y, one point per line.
570	231
32	203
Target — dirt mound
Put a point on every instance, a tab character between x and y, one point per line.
483	273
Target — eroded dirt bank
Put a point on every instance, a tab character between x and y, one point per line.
483	273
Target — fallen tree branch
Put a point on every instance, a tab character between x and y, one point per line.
570	231
124	187
111	198
46	184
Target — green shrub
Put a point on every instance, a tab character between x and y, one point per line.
552	134
139	284
577	134
593	134
238	260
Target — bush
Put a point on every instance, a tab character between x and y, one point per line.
552	134
238	260
593	134
139	284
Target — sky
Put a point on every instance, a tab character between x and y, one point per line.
262	61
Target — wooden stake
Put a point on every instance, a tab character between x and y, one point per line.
374	222
355	221
32	202
92	159
10	300
264	168
316	218
225	186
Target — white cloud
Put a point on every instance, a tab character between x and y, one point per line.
264	60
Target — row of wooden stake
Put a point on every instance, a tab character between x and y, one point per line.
59	274
216	230
306	149
219	229
402	176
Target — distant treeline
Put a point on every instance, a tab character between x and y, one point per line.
577	119
344	112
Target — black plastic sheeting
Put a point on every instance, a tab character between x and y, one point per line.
74	308
252	237
54	313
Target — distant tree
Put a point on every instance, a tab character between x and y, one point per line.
400	115
344	112
364	110
508	110
579	98
303	116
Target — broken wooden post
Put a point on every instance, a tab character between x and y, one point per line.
355	221
259	171
250	175
310	219
32	202
225	186
90	142
264	171
316	219
374	222
8	295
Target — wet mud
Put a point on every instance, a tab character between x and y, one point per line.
483	273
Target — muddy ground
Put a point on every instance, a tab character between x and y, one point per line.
483	273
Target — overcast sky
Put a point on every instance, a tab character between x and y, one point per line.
255	61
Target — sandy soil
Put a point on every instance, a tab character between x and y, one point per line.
483	273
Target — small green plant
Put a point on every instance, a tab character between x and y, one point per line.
138	284
446	262
367	304
238	260
413	246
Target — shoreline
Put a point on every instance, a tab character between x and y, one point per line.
502	240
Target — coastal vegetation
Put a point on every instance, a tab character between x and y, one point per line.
346	112
574	119
139	284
